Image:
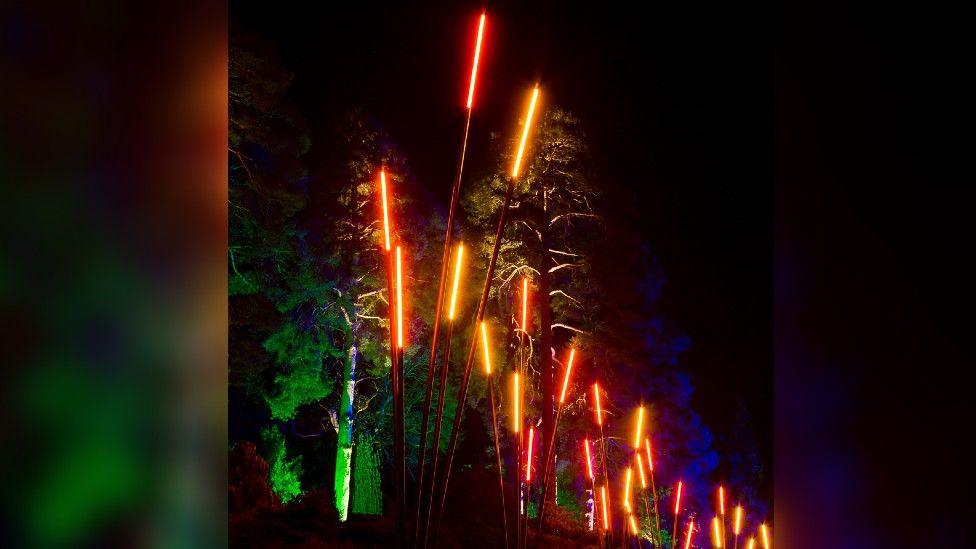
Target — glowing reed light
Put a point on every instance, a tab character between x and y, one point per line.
457	277
633	525
477	55
516	418
399	298
484	345
569	369
525	131
627	491
737	528
386	217
603	502
589	462
640	469
765	535
716	537
637	431
691	528
751	544
599	410
647	448
721	500
525	304
528	464
677	501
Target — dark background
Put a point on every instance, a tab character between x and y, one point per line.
680	140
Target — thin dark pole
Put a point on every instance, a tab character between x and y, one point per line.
657	516
445	256
545	475
463	389
498	456
401	457
528	501
435	448
518	446
395	381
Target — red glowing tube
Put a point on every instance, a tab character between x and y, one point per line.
457	277
633	525
603	502
589	462
525	132
737	528
599	411
716	536
528	464
399	298
525	304
637	431
386	216
640	469
627	491
516	418
677	500
569	369
647	448
477	55
721	500
691	528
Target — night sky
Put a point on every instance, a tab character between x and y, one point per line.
669	95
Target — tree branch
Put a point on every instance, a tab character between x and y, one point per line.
558	325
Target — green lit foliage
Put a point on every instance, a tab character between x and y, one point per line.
284	473
367	497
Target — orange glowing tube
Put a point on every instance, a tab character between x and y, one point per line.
765	535
751	544
716	536
596	397
647	448
589	462
528	464
633	525
457	277
637	431
737	528
525	304
484	345
477	55
691	528
721	500
677	500
603	502
386	216
399	298
627	490
569	369
516	418
640	469
525	132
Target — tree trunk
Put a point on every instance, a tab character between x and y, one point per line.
343	463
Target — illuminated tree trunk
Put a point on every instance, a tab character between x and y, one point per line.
343	466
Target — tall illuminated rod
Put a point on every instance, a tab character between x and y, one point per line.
517	405
455	191
677	510
650	468
494	427
598	415
560	405
399	450
737	526
479	316
589	473
428	496
395	352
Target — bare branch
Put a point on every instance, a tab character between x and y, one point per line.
577	330
563	266
560	252
571	298
568	215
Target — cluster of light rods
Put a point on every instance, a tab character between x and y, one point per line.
719	538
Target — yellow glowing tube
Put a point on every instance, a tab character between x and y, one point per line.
569	369
528	463
457	277
721	500
603	502
516	418
399	298
589	462
627	491
691	528
633	525
386	216
596	397
637	431
751	544
647	448
525	304
765	535
640	469
525	132
716	536
484	345
737	528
